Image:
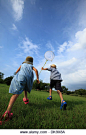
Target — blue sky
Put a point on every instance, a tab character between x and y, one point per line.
32	27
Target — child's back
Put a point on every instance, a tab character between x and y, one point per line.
55	74
55	82
23	80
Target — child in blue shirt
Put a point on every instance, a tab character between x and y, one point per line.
55	80
22	81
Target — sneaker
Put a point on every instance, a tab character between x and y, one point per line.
49	98
63	105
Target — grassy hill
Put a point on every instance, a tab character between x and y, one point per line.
41	113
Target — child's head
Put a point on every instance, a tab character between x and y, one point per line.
29	60
53	65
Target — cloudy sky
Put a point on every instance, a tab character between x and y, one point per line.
32	27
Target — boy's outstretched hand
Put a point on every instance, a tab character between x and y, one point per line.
38	81
42	68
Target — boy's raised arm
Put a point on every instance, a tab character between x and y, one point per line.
36	72
44	68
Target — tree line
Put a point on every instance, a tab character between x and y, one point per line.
6	80
43	86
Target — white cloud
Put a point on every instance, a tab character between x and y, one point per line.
28	46
14	27
18	6
67	62
62	47
80	38
78	77
79	43
75	47
49	45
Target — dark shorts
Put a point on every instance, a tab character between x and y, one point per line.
56	84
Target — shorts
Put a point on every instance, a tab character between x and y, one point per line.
56	84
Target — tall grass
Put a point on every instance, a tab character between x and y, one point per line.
41	113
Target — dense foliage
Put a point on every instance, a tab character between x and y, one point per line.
8	80
40	86
1	75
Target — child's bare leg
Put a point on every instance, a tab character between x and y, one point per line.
60	95
25	94
50	92
25	99
11	102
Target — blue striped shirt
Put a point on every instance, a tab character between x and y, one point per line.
55	74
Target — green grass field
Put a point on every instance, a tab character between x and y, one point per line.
41	113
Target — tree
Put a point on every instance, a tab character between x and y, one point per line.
80	92
64	89
1	75
1	80
68	92
8	80
40	86
35	85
